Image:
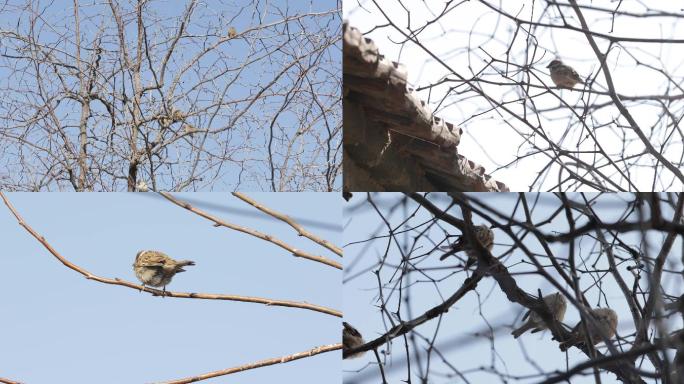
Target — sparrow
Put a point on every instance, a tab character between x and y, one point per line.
483	234
142	186
189	129
156	269
232	32
606	320
557	305
351	338
563	75
166	120
176	115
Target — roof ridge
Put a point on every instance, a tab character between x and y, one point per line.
376	94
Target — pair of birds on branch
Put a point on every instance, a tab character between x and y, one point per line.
605	323
176	116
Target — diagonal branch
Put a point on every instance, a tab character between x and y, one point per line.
438	212
8	381
287	219
402	328
220	223
258	364
619	226
602	361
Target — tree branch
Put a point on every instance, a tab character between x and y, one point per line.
116	281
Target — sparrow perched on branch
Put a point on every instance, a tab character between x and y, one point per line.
175	116
156	269
351	338
606	320
557	305
483	234
189	129
563	75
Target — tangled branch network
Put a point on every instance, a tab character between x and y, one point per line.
606	117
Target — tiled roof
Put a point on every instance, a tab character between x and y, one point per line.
392	140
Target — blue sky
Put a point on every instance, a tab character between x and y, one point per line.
232	74
59	327
455	338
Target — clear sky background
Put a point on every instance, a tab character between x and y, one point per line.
489	138
456	335
58	327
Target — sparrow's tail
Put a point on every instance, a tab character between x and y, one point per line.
451	249
524	328
182	263
444	256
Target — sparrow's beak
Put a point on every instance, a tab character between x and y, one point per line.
548	66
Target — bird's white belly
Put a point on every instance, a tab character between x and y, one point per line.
152	277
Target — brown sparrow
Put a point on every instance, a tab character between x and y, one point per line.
156	269
557	305
232	32
563	75
483	234
351	338
606	320
189	129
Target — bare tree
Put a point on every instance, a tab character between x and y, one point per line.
437	320
219	95
482	65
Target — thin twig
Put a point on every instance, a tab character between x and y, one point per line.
258	364
300	229
218	222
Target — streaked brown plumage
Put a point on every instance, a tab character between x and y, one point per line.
557	305
563	75
156	269
607	321
483	234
